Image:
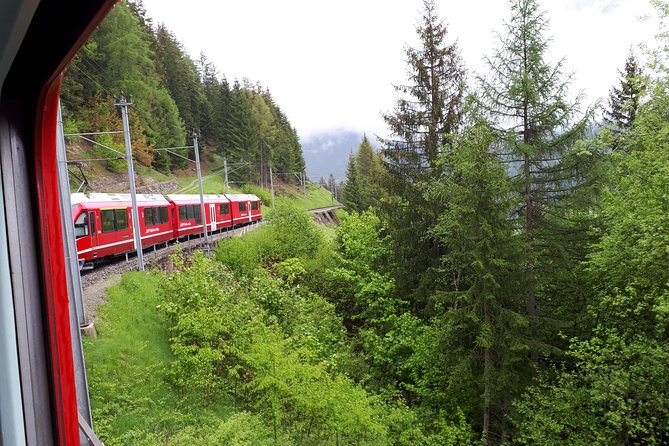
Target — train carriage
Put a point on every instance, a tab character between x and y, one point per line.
103	223
245	208
188	217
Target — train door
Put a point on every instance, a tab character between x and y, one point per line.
248	207
94	233
212	214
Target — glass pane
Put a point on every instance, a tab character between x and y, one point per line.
81	225
148	217
107	217
182	212
121	219
254	206
92	220
198	213
163	214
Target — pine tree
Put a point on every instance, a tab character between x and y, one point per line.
480	330
430	109
526	96
180	76
624	101
352	189
424	120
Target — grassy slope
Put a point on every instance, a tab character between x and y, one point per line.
128	370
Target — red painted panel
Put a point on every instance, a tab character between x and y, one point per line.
53	264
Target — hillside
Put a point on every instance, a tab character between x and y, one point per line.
172	96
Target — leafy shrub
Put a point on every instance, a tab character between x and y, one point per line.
260	192
294	232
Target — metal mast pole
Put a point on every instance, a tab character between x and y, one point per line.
203	212
131	178
271	184
225	166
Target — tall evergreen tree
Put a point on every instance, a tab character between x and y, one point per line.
526	97
624	101
480	332
422	123
430	107
180	76
352	189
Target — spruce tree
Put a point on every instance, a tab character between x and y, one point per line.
429	109
624	101
480	332
352	189
526	97
425	118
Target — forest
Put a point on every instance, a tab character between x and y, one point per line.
500	277
172	97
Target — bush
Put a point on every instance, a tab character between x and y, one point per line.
260	192
294	232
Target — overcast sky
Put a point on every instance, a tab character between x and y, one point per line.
331	64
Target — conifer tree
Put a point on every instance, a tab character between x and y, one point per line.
425	118
526	97
480	330
352	189
429	109
624	101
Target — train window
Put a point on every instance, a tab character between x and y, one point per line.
163	214
254	205
225	208
91	219
148	217
107	217
242	207
121	217
198	213
182	212
81	225
189	212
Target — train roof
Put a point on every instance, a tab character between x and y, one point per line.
242	197
102	198
190	198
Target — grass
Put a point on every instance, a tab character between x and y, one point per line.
128	367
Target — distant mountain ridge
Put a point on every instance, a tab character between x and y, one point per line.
327	152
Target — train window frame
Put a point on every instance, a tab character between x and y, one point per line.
254	206
197	213
91	220
182	212
224	208
241	206
105	221
148	217
81	223
123	221
164	215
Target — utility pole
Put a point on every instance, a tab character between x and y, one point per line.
123	104
225	166
304	184
203	212
271	184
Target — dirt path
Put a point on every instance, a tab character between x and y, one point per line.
96	293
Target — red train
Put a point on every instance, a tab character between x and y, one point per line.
103	222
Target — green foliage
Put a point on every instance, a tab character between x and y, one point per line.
294	233
262	193
364	175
